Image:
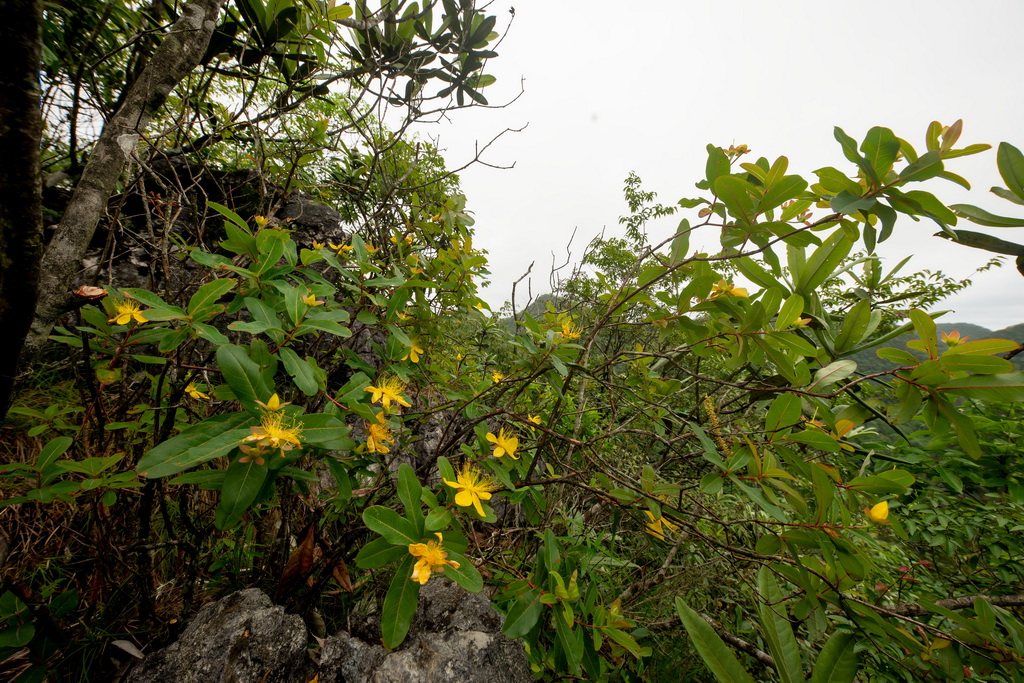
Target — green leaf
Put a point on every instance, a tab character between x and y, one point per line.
399	605
445	469
624	639
437	519
823	262
523	614
301	373
466	575
1011	168
204	302
758	275
855	326
925	328
329	326
53	449
242	484
979	240
847	202
209	333
783	414
777	629
982	365
270	243
832	373
815	439
210	480
378	553
18	636
243	376
146	298
887	215
680	244
837	661
983	217
717	164
325	431
409	490
890	481
927	166
389	524
211	438
736	193
880	147
1004	388
849	146
790	312
900	356
781	192
930	206
715	653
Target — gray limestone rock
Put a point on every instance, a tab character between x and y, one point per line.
243	638
455	637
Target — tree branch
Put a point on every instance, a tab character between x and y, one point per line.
178	54
21	217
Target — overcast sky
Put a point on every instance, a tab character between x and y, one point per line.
614	87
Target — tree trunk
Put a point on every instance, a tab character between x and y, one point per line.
179	53
21	218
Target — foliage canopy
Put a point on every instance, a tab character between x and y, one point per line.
674	464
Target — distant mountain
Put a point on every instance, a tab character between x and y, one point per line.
1013	333
868	362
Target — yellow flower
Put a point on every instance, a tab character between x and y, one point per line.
953	338
260	220
318	245
414	352
474	487
193	391
458	356
275	431
723	288
252	454
402	315
370	249
127	310
311	300
570	330
879	513
658	527
497	377
433	559
273	405
388	389
505	443
340	248
535	419
378	436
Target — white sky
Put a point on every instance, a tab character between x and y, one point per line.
614	87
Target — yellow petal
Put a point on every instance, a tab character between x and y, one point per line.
879	513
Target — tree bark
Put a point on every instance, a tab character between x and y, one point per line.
178	54
21	218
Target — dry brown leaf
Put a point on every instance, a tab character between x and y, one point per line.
340	573
298	565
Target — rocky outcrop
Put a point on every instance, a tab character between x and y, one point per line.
244	638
